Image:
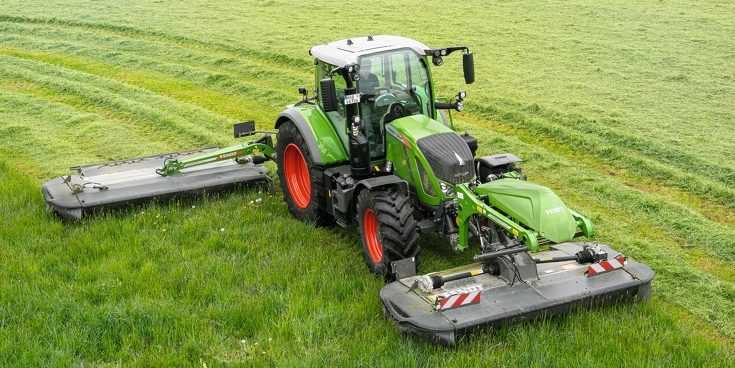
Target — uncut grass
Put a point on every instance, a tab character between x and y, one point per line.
265	291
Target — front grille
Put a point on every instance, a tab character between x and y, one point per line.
449	157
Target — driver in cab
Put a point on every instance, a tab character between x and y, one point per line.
368	84
368	81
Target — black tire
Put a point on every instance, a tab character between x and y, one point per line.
302	181
387	229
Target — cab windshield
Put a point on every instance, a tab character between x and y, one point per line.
396	77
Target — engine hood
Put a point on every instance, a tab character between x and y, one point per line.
444	151
415	127
533	205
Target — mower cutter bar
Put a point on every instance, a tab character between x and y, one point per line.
134	181
454	308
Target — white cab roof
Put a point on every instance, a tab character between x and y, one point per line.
342	52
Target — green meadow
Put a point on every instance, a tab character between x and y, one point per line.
625	109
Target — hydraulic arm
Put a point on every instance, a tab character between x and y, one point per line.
255	151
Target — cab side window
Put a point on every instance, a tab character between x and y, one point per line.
337	117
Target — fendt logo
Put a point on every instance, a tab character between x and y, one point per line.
226	155
554	210
461	161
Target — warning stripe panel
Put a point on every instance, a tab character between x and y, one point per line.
460	300
606	266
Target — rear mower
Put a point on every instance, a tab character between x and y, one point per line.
376	147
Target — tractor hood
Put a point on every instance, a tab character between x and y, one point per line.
533	205
446	153
415	127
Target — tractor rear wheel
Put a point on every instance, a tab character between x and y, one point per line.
387	229
301	180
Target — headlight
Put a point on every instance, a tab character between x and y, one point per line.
446	189
355	125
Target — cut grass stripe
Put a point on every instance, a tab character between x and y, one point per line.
44	138
683	222
689	173
231	106
189	123
127	30
110	47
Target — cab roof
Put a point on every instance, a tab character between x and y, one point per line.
347	51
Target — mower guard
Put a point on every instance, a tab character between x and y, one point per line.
134	181
562	287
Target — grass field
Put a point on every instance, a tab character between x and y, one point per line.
624	109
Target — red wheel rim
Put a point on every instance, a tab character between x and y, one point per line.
297	176
370	226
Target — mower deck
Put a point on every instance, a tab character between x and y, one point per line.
561	287
134	181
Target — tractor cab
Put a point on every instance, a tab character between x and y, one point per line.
397	79
366	82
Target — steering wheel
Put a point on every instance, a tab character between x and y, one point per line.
384	99
395	111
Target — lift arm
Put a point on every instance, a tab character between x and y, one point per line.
469	204
255	151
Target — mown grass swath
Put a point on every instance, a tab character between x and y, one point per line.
623	109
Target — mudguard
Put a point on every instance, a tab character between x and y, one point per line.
313	123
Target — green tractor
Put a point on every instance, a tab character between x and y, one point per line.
375	146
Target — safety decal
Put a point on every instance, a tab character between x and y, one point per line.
606	266
459	300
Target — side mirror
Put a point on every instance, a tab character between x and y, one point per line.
328	95
468	65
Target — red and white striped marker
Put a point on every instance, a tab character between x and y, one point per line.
460	300
606	266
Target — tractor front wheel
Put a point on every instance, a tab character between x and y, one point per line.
387	229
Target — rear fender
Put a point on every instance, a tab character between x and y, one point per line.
312	123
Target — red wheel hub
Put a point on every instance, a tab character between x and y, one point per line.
370	227
297	176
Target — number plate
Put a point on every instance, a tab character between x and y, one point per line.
352	99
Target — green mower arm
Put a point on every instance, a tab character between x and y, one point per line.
469	204
245	152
